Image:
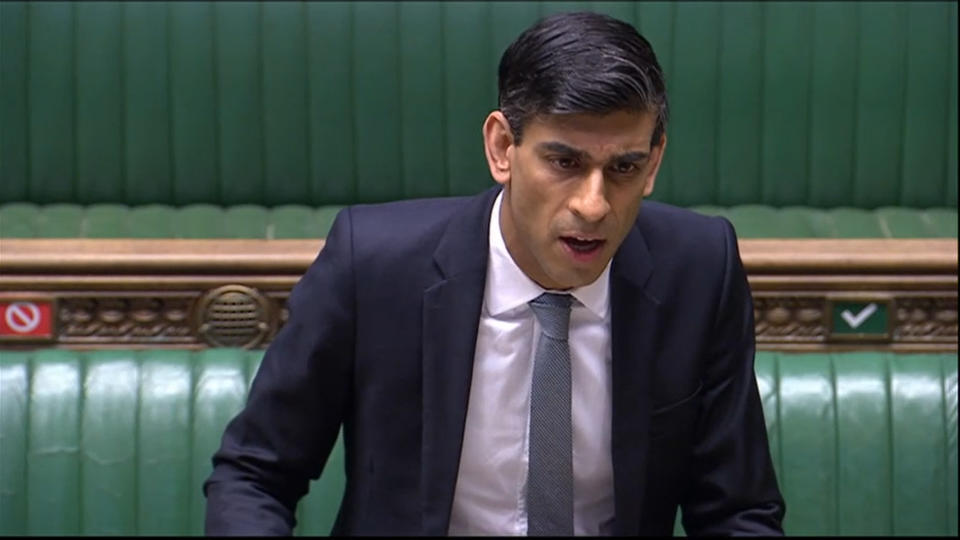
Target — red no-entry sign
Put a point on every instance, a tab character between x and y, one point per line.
23	319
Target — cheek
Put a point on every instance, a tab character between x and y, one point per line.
628	207
631	207
535	203
532	214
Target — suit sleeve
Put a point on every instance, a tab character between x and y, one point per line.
281	439
734	490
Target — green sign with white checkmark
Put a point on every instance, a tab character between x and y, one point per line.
860	318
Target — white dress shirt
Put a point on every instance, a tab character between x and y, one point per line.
491	484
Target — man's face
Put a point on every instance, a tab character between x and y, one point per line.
572	190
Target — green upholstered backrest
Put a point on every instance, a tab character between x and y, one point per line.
863	443
820	104
28	220
119	442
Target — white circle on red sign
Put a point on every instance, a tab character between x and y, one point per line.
23	317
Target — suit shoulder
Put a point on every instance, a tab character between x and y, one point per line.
396	230
683	232
391	221
662	218
412	211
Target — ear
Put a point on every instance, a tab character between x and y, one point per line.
497	143
656	158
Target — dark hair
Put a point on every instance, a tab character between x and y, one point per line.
580	63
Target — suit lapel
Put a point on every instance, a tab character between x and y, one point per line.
451	315
634	318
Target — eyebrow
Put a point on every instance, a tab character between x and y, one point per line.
560	148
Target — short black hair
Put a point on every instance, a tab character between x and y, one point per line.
580	62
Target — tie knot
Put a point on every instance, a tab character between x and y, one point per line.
553	312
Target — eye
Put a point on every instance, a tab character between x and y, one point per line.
564	162
625	167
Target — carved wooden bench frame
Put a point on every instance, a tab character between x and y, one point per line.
120	293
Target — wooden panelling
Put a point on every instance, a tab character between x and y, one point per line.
166	293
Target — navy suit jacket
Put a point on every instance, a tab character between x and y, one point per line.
381	338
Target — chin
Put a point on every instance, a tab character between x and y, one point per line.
579	280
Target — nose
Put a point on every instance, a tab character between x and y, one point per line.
589	202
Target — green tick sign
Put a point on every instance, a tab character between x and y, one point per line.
852	317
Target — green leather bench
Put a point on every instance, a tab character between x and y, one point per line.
119	442
820	119
27	220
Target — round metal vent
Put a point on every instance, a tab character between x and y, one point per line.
233	316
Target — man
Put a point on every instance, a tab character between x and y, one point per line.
543	358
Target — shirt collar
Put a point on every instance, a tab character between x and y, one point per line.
508	287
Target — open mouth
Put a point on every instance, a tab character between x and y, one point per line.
583	246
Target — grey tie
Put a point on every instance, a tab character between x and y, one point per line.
550	476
